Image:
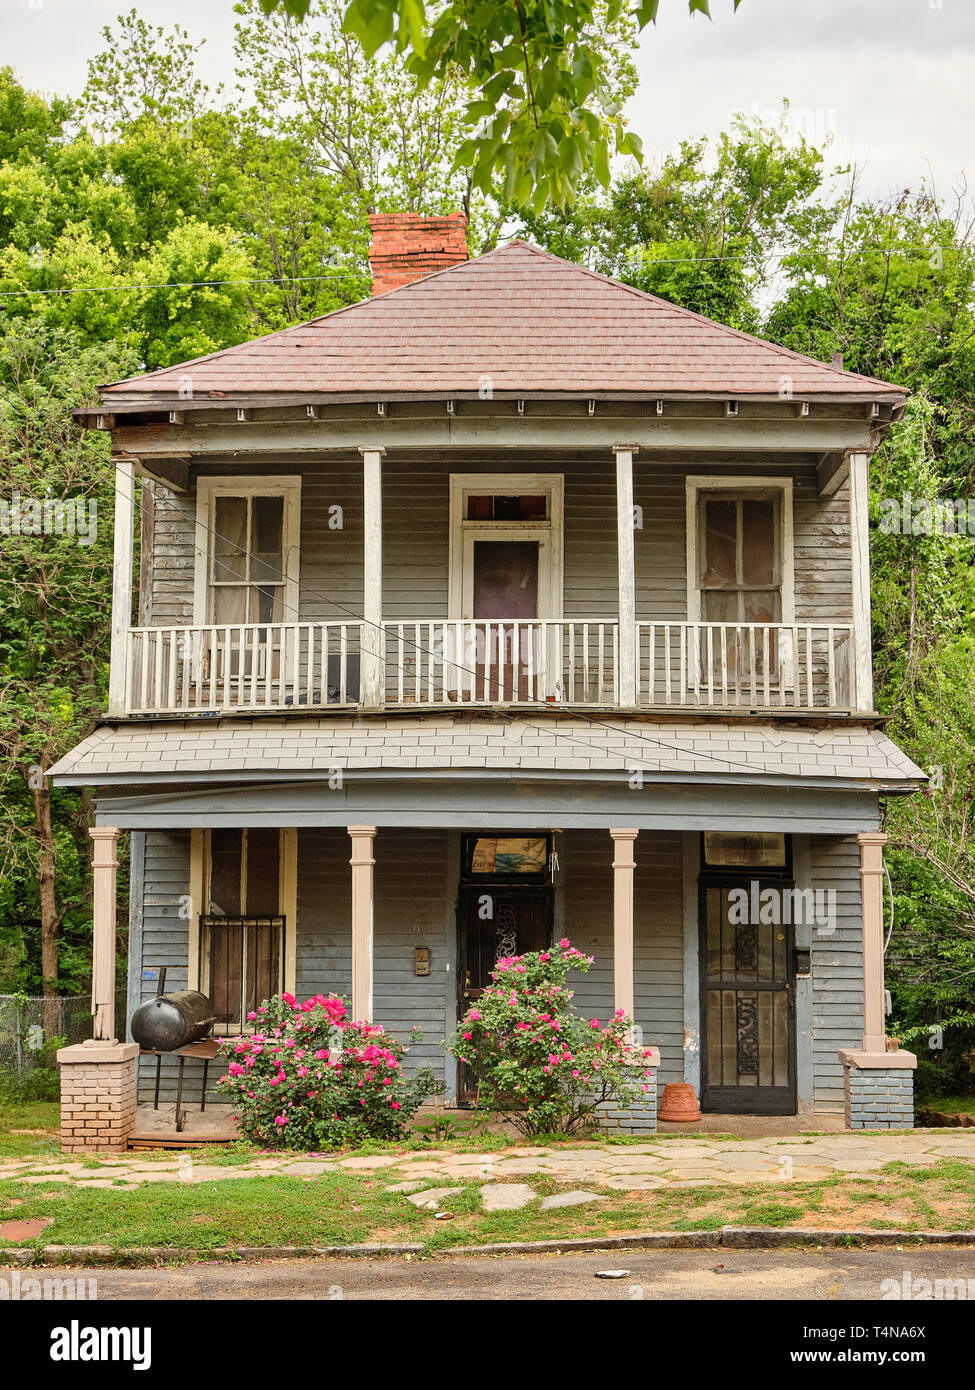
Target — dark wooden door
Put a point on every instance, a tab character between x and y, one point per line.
493	922
747	1001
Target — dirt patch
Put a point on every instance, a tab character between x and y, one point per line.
24	1230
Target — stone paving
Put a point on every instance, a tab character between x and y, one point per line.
680	1162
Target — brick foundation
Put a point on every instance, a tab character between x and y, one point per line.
97	1095
638	1118
878	1090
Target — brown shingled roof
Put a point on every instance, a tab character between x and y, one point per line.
528	322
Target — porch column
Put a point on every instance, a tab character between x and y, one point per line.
623	866
104	876
372	677
362	862
872	899
627	582
124	529
860	598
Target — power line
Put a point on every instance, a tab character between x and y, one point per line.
284	280
280	280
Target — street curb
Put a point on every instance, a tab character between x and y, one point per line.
164	1254
727	1238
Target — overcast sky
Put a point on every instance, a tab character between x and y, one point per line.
893	80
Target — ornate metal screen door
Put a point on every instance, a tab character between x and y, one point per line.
748	1031
495	922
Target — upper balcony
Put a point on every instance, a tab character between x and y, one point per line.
720	592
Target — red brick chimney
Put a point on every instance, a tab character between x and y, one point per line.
406	246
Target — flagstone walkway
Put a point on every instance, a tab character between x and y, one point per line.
685	1161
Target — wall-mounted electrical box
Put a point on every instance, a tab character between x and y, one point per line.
803	963
421	960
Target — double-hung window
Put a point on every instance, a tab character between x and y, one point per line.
741	586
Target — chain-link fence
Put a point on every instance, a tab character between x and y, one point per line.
31	1029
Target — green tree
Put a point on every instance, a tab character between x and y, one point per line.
542	107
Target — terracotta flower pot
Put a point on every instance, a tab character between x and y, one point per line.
678	1104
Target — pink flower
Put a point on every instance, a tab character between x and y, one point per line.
468	1036
564	942
280	1119
474	1014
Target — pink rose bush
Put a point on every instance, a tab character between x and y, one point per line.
538	1063
309	1077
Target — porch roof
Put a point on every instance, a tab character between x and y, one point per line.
238	750
524	321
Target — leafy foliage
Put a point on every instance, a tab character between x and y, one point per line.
538	1063
310	1078
542	108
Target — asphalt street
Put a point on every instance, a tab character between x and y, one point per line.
657	1275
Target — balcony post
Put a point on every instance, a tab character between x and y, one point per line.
860	546
372	675
626	693
124	529
362	861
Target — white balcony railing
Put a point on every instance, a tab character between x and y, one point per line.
480	661
282	666
746	665
253	666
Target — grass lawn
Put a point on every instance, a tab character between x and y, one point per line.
29	1128
339	1208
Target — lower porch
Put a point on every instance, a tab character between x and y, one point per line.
407	923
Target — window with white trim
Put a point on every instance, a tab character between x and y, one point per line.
245	933
247	551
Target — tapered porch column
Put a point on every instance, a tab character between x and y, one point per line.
372	675
104	877
627	574
362	862
124	531
623	865
860	597
872	902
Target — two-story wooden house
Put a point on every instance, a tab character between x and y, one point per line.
510	603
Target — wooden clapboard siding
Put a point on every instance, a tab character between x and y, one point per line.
324	942
587	890
823	559
410	888
416	536
837	967
164	940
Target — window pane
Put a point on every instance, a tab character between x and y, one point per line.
479	508
761	607
720	543
720	606
263	855
268	526
225	849
230	538
746	850
267	605
758	542
230	605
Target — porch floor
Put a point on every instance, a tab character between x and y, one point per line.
157	1128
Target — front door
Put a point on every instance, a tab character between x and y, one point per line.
747	999
493	922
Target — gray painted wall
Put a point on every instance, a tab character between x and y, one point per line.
416	536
